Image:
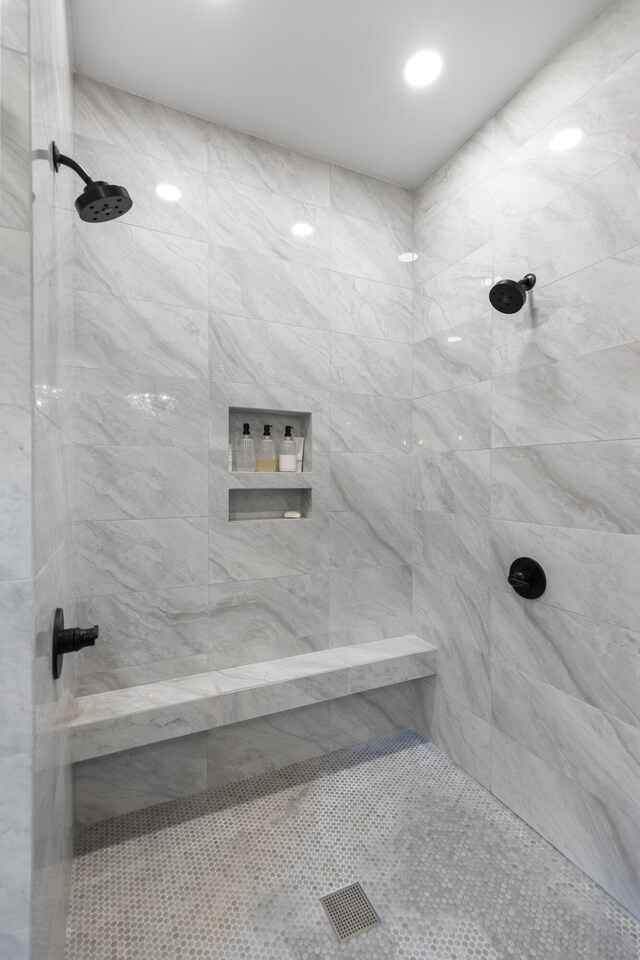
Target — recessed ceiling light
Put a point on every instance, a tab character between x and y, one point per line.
302	229
454	339
168	192
422	67
566	139
408	257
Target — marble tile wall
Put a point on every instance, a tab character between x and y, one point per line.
185	309
52	119
16	515
525	434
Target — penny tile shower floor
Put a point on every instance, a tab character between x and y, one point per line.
236	873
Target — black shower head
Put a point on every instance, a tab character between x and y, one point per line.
99	201
509	296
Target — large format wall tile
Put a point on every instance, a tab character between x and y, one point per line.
596	397
597	751
260	163
132	410
453	359
15	174
252	351
454	296
456	482
122	119
457	419
132	779
370	309
379	367
112	333
275	614
15	500
361	424
119	483
268	288
587	571
463	736
464	226
597	219
372	597
589	485
15	282
140	628
369	199
250	551
140	174
118	555
593	309
370	539
595	835
131	261
593	661
259	222
369	482
452	544
370	250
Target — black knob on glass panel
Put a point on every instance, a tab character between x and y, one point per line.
69	640
527	578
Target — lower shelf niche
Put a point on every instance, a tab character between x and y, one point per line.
269	504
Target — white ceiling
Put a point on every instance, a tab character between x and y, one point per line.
325	76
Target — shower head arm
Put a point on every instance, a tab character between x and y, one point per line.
60	160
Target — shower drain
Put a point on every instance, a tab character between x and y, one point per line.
349	911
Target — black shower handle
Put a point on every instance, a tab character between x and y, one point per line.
518	580
74	638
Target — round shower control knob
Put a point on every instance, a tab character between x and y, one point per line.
527	578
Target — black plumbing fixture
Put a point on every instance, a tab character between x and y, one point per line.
99	201
68	640
527	578
509	296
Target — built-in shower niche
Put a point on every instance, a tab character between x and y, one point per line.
268	496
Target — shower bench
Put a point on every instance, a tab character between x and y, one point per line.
118	720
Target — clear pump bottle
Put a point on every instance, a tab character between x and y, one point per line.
266	455
245	453
287	458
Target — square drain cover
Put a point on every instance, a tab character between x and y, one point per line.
349	911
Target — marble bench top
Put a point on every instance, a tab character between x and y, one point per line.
121	719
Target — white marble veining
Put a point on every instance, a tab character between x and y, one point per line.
453	544
456	482
369	250
259	222
453	359
141	174
367	424
591	660
465	737
131	261
369	199
458	419
260	163
596	308
268	288
15	180
596	836
366	482
15	281
124	120
252	351
15	499
595	397
139	410
370	539
454	296
138	336
270	548
372	597
370	309
135	483
590	485
14	25
597	751
378	367
465	225
118	555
